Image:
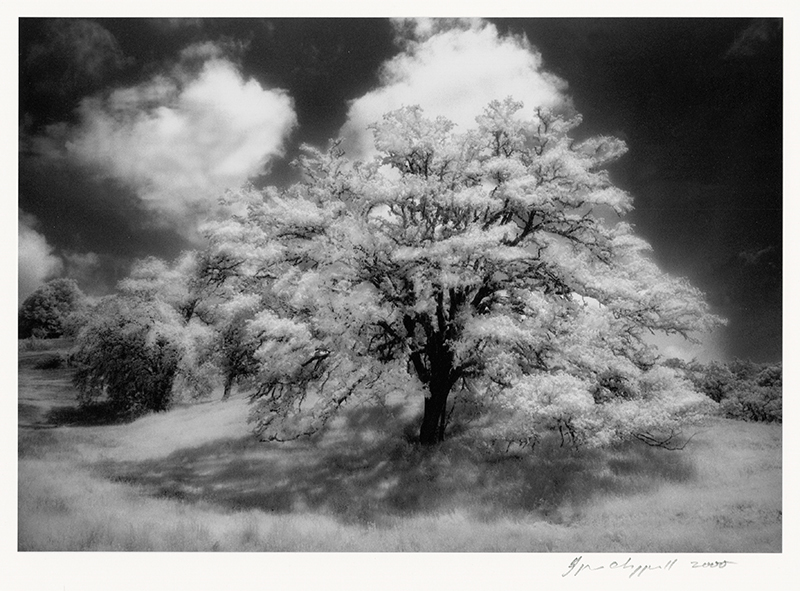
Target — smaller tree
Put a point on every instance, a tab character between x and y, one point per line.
235	346
126	355
221	302
51	310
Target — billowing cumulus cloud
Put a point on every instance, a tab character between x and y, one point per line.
37	261
181	138
454	72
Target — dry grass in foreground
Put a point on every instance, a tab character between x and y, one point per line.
193	480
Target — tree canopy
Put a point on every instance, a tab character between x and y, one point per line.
490	264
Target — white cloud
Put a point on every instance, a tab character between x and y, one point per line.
455	73
184	136
36	260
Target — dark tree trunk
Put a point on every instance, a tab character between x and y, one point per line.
438	373
228	384
431	431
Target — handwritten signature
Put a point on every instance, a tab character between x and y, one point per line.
578	566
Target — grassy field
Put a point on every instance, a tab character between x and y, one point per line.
193	479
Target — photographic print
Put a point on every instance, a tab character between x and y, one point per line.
483	285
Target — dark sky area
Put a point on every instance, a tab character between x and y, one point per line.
130	128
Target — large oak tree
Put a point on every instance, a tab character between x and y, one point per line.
491	264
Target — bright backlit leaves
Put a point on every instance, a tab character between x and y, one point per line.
489	264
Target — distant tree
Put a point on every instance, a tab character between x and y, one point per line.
51	311
770	374
233	347
745	390
489	265
743	369
714	379
750	402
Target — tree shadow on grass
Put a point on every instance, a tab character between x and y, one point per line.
90	415
368	472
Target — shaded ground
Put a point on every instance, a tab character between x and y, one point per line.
364	470
372	481
47	398
722	493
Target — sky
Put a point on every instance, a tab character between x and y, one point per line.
131	129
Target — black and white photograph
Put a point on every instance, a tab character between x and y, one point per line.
403	285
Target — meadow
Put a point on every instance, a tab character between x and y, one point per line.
195	479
